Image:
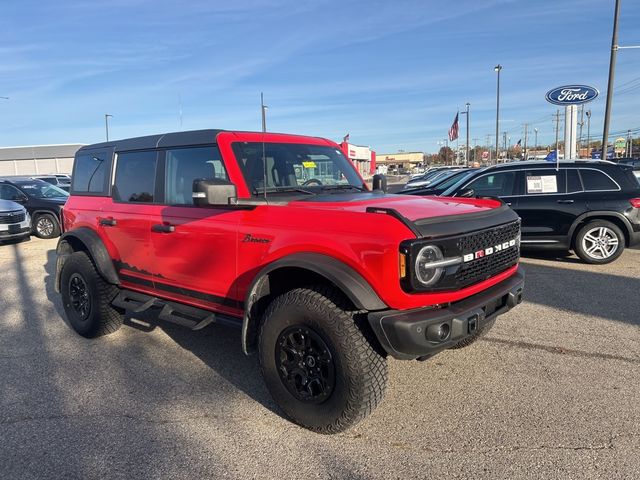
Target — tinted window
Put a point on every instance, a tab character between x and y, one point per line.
90	173
573	181
135	177
597	180
184	165
499	184
9	192
544	182
40	189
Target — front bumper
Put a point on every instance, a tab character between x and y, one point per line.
409	334
15	230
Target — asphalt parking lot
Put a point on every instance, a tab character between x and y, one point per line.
551	392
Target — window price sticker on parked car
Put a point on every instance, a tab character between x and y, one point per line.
542	184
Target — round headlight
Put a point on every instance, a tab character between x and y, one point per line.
427	273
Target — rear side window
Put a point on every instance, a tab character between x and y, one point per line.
573	181
501	184
184	165
91	173
135	177
597	180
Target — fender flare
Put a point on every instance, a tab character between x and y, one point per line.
600	213
350	282
84	237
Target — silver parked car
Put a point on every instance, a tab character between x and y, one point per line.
14	221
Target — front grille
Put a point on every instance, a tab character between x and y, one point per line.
485	267
12	217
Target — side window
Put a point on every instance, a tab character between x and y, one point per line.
184	165
596	180
90	173
545	182
500	184
9	192
135	177
573	181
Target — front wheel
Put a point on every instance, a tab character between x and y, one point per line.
599	242
318	364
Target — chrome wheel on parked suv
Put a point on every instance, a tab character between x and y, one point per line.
599	242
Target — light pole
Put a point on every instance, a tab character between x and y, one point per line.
535	131
106	124
467	148
612	68
263	109
588	114
498	69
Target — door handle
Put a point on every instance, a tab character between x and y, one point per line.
508	203
108	222
565	201
163	228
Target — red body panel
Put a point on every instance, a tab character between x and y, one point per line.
206	263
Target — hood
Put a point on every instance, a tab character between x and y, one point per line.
412	207
424	216
9	206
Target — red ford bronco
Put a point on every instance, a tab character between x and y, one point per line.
279	235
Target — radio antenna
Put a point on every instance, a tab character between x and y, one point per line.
263	109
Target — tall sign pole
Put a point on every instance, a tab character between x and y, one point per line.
612	68
498	68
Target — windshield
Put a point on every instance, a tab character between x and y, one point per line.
40	189
460	182
455	178
295	168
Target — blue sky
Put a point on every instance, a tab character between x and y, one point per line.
390	73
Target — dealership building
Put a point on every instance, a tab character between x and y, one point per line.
37	159
363	158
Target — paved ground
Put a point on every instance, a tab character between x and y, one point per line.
552	392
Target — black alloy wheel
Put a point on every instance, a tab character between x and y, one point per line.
79	296
305	364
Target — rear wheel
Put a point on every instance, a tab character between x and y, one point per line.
319	366
599	242
46	225
86	298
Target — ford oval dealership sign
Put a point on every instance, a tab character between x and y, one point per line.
571	95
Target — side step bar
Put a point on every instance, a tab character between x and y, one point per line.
183	315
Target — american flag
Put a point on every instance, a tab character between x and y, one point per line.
453	131
346	138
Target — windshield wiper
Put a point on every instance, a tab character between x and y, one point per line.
257	190
343	187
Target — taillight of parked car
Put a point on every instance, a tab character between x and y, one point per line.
635	202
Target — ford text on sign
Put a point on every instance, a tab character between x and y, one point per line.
571	95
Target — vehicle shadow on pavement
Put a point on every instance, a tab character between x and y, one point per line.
555	255
613	297
217	346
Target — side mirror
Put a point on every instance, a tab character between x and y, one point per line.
379	182
466	192
213	191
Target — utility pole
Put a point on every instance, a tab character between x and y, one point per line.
629	143
504	146
588	113
498	69
535	130
106	124
612	68
580	136
467	112
526	132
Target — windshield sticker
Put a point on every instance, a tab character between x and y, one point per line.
542	184
309	164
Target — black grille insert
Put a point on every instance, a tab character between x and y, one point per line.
11	217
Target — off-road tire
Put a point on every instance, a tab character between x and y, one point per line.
472	338
102	318
611	227
52	223
361	370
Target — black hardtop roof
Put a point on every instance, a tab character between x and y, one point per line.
162	140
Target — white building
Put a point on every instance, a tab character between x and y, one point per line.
37	159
